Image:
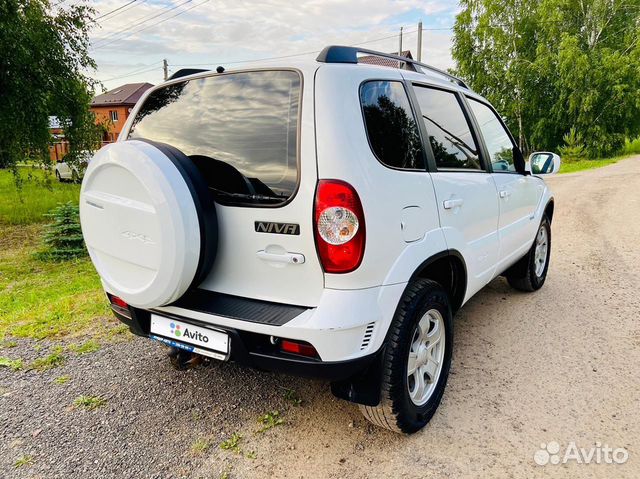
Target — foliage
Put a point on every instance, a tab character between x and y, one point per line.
63	236
89	402
573	148
13	364
201	445
553	65
51	361
23	461
43	54
87	347
43	299
270	420
631	147
581	165
62	380
290	395
38	194
232	444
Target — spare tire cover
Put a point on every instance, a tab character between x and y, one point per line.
141	210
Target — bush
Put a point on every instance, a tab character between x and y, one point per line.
573	149
631	147
63	236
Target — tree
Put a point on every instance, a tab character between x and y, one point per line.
553	65
43	54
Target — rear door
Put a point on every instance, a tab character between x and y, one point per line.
518	194
465	191
253	141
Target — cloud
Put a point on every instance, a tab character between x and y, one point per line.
223	31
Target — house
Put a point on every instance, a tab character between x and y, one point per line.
114	107
58	146
382	61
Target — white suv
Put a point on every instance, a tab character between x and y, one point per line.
324	218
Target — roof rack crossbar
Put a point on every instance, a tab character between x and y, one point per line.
344	54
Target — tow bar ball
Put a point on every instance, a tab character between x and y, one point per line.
183	360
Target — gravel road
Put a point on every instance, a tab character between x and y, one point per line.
559	365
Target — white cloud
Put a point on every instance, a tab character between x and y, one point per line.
223	31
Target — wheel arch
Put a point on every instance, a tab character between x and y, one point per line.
548	210
448	269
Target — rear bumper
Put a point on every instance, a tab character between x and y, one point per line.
255	350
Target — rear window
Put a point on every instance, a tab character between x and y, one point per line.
241	131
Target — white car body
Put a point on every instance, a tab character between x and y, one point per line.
486	220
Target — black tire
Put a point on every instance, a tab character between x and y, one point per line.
396	411
522	275
58	177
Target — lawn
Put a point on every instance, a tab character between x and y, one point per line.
44	299
581	165
40	193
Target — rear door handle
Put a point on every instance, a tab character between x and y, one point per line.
504	193
289	258
450	204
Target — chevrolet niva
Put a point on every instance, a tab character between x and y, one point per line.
324	218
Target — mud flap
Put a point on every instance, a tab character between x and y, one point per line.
364	387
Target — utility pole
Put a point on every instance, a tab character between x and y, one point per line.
400	48
419	50
165	68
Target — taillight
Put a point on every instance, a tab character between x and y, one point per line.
339	226
119	305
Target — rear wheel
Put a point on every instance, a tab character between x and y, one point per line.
530	273
417	359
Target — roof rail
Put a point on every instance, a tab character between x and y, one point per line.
183	72
342	54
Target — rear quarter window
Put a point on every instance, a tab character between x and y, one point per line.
240	129
391	126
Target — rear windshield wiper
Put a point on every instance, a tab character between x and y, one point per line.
249	196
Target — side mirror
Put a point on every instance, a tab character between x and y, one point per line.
543	163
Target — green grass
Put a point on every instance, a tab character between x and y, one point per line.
90	346
582	165
40	193
270	420
13	364
232	444
89	402
62	380
23	461
42	299
201	445
51	361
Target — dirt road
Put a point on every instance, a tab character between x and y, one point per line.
560	365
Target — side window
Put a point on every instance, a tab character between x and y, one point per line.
496	137
390	124
449	132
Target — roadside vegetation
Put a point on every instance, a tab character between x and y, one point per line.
38	194
40	298
89	403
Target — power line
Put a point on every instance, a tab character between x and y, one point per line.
142	69
152	25
138	22
294	54
115	10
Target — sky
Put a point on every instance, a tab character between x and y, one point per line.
130	43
